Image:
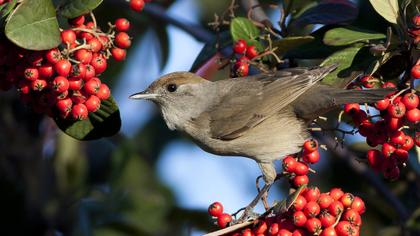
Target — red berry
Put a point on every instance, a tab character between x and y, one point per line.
347	199
24	87
79	112
375	159
38	84
312	157
325	200
382	104
410	100
122	40
223	220
241	68
397	109
289	164
77	97
260	227
137	5
299	218
351	108
313	225
326	219
68	36
216	209
336	193
311	209
46	71
63	67
94	44
78	71
60	84
283	232
344	228
311	194
387	149
336	208
353	217
75	84
118	54
310	146
416	20
415	72
359	117
90	72
240	46
99	63
103	93
122	24
31	74
330	231
251	52
300	180
273	229
92	86
413	115
83	55
64	105
299	203
397	138
301	168
367	81
408	143
53	55
78	21
93	103
358	205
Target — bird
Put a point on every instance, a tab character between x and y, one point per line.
263	117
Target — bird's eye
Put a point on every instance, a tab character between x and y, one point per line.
171	88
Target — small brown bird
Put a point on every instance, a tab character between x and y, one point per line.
262	117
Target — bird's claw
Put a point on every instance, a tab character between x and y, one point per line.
247	215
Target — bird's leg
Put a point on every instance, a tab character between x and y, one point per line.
254	202
264	197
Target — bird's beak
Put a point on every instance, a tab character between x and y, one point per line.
144	95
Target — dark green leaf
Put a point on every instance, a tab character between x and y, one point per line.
352	62
328	13
347	36
210	49
103	123
289	43
242	28
75	8
33	25
163	37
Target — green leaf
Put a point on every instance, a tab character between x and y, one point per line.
74	8
285	44
33	25
103	123
242	28
388	9
352	62
347	36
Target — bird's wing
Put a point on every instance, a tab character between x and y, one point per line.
248	101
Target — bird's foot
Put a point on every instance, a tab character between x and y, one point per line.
247	215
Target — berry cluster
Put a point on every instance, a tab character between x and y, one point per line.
398	112
298	168
245	53
63	81
312	213
138	5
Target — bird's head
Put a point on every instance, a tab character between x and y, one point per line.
179	95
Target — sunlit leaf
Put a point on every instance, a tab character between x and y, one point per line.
388	9
242	28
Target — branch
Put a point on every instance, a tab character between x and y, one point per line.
256	12
350	158
197	31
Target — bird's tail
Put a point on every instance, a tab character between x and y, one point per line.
322	99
